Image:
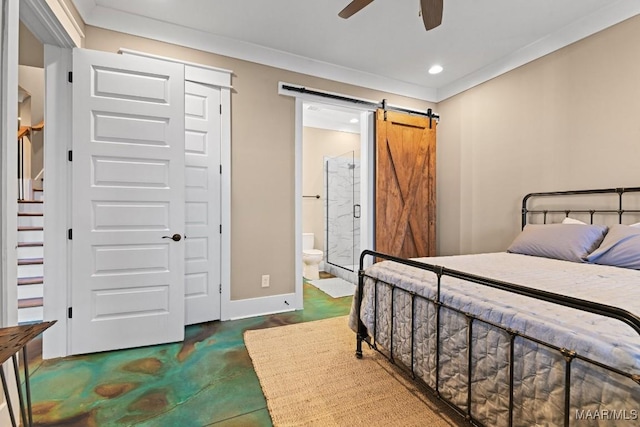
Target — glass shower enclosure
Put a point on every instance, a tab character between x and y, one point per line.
342	217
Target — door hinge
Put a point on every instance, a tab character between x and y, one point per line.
69	312
70	77
220	288
220	108
70	156
70	234
220	169
220	228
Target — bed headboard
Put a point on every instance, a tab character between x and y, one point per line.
614	201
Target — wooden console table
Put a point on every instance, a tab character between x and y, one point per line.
12	340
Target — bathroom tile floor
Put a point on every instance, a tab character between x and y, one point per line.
206	380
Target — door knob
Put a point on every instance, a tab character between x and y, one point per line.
176	237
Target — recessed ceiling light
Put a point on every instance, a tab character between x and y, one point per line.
435	69
354	120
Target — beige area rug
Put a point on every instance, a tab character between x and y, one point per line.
311	377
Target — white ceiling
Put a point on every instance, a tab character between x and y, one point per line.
324	116
384	46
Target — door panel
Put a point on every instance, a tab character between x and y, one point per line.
127	285
405	184
202	208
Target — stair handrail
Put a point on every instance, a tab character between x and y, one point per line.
25	131
40	175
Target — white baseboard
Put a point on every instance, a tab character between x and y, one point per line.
252	307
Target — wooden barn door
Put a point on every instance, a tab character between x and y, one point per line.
405	184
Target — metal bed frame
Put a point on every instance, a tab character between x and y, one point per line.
569	355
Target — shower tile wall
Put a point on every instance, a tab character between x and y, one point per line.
342	230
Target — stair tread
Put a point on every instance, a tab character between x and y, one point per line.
30	302
30	280
30	261
30	214
29	244
29	228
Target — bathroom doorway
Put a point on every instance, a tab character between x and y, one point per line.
335	144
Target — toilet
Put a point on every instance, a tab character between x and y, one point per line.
310	258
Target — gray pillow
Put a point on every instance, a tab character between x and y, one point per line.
569	242
620	248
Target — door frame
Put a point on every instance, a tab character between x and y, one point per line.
57	218
9	24
56	28
46	24
8	169
367	149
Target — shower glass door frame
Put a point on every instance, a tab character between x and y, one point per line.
342	210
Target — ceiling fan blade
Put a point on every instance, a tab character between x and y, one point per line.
353	7
431	13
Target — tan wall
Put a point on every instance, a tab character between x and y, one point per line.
263	143
316	144
32	80
566	121
30	50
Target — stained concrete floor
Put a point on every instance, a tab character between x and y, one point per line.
206	380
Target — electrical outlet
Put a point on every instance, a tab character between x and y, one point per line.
265	280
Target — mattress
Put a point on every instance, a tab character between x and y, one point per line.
538	370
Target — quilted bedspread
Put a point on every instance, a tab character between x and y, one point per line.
539	371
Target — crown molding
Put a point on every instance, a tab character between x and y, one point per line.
115	20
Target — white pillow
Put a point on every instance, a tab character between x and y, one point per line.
568	220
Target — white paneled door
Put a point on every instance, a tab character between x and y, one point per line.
202	208
128	208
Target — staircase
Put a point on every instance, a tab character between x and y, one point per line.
30	259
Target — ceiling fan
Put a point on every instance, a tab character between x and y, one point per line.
431	11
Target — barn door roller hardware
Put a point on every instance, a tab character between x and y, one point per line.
429	112
373	105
